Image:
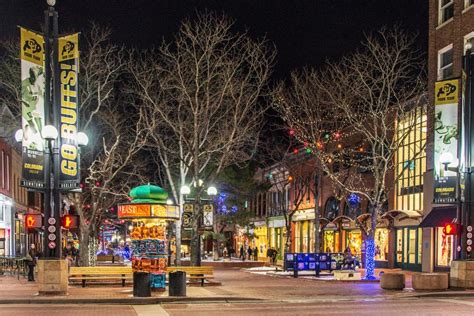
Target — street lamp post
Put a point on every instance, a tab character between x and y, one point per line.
466	215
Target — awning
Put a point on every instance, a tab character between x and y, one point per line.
402	214
439	216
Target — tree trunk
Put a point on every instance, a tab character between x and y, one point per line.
317	224
287	243
370	256
84	247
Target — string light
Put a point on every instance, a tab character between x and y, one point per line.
370	258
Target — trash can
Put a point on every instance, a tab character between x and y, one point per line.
177	283
141	284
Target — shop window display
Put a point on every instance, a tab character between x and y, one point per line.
331	241
444	249
354	241
381	244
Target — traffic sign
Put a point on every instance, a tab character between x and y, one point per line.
52	245
51	221
52	237
469	235
469	228
51	229
469	248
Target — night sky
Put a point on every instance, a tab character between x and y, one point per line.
305	32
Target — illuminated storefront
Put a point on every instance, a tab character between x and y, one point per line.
331	240
444	248
261	240
381	244
408	198
303	226
353	240
276	232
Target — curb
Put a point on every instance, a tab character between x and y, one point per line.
126	301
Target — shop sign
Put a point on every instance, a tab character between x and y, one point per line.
303	215
208	215
446	135
134	210
259	224
166	211
276	223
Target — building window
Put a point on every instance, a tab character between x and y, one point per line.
446	10
411	160
444	248
445	63
469	38
381	244
331	208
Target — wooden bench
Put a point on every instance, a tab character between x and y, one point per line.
100	273
194	273
108	258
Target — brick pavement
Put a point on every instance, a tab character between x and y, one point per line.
236	284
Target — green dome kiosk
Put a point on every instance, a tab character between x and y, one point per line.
150	215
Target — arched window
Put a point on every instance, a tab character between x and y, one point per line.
331	209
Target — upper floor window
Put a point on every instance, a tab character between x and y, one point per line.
446	10
445	63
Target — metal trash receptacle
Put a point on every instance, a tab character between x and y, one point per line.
141	284
177	283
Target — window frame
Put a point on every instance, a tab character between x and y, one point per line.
440	69
441	10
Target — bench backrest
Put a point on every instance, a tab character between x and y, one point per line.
100	270
192	269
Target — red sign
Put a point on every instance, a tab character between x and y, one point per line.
134	210
33	221
70	221
450	229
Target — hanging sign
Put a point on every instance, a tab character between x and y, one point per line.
446	135
32	109
68	57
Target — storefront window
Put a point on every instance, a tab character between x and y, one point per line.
444	248
399	245
331	241
381	244
420	233
412	247
297	229
305	236
311	236
2	242
354	241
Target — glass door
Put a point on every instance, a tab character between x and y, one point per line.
408	248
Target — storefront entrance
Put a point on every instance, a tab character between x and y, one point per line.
331	241
408	248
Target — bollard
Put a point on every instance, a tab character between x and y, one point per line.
141	284
177	283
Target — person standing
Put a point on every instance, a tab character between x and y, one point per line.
255	254
249	252
242	253
31	262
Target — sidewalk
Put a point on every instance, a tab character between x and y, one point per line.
237	285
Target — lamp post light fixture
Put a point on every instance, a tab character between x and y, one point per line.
19	135
82	139
49	132
185	190
446	159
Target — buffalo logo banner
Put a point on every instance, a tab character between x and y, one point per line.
32	108
446	137
68	51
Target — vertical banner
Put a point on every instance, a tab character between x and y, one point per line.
68	50
32	108
446	135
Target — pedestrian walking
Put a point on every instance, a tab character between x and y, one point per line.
249	252
31	262
242	253
255	254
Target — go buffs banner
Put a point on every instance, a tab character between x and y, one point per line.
68	50
32	108
446	135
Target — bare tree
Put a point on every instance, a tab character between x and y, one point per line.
203	94
348	113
